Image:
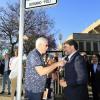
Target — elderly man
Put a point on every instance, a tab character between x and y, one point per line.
35	75
76	78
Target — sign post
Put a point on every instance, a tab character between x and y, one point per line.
20	50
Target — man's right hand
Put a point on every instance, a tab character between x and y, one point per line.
63	83
61	63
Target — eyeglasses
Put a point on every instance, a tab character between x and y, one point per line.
46	45
64	46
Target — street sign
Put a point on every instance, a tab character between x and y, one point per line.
38	3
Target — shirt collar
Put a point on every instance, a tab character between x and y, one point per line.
69	57
38	52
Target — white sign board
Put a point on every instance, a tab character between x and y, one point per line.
38	3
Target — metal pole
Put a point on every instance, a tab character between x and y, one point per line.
20	49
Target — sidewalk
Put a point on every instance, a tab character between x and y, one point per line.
5	96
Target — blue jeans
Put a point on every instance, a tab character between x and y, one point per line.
5	78
29	95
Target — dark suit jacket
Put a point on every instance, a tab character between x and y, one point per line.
76	77
2	67
76	71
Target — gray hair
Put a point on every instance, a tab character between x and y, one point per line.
40	40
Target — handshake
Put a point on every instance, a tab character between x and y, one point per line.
62	82
61	63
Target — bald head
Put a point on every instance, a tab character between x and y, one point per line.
42	44
40	41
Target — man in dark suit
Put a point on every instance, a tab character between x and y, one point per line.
95	76
76	77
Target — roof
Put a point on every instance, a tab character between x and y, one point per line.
93	28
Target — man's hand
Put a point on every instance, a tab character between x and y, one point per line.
63	83
61	63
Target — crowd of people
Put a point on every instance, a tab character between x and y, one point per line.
80	71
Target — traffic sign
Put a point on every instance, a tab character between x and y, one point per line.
38	3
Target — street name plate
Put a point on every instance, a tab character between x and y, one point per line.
38	3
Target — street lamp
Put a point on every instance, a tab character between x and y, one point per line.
60	42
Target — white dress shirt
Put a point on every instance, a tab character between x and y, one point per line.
94	67
69	57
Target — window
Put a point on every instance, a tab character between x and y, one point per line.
81	46
88	46
95	46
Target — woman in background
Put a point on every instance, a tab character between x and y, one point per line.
13	64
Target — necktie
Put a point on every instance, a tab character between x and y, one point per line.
66	58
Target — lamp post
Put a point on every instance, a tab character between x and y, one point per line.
60	42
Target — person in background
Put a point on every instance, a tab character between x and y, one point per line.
36	72
95	76
51	76
1	66
13	64
6	74
87	60
76	77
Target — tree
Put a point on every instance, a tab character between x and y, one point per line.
37	23
9	24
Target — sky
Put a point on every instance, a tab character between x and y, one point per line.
70	16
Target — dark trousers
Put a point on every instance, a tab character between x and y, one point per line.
6	79
95	91
29	95
79	92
